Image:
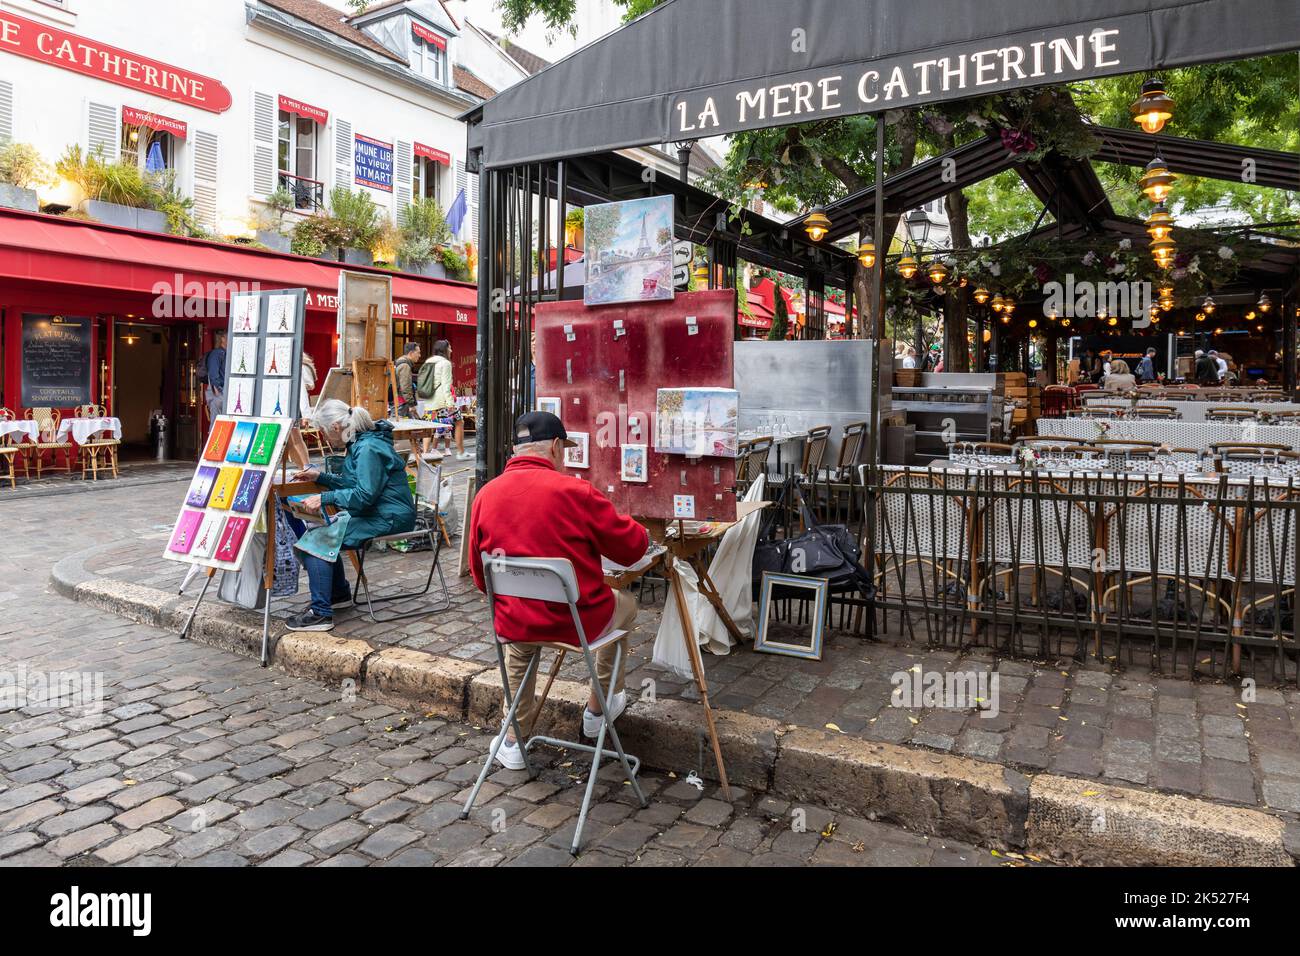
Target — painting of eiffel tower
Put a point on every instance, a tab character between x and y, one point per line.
629	251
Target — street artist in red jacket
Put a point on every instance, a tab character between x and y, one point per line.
534	510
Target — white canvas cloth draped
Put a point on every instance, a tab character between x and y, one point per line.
731	572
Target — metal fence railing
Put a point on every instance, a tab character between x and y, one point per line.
1185	575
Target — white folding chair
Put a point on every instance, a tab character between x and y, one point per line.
553	580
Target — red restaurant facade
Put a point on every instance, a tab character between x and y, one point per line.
152	302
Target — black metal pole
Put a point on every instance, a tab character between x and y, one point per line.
488	255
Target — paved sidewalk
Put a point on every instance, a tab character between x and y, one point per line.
199	757
1131	728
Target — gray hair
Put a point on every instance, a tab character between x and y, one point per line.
542	448
332	411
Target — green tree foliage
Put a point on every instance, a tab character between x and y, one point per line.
781	320
558	15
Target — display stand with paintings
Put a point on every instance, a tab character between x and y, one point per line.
610	373
231	485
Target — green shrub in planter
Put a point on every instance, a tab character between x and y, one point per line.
22	166
317	236
357	216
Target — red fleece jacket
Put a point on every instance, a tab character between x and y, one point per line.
533	511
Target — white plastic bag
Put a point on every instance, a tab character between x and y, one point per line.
731	573
245	586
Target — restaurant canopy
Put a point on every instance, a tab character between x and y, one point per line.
667	77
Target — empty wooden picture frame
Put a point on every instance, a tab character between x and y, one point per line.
801	636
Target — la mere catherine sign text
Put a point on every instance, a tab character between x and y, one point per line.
967	69
36	41
374	163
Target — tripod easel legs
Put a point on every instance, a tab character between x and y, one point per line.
697	667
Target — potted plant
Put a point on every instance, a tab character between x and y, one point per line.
358	222
574	227
424	231
21	169
318	237
270	227
117	194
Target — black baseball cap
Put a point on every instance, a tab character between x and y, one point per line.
541	426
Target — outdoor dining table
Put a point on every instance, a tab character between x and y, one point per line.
778	441
20	427
83	429
1176	434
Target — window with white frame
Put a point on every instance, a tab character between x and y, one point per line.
428	61
296	150
150	149
426	179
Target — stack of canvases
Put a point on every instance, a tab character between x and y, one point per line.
1014	387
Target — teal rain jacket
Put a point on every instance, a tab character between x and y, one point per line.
372	488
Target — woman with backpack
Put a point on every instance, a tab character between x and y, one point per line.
437	396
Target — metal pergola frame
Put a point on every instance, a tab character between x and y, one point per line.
643	83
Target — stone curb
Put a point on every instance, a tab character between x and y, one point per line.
1075	821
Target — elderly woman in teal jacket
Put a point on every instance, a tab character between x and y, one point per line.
371	488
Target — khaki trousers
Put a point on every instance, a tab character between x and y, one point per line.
520	653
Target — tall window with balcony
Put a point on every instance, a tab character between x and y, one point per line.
297	149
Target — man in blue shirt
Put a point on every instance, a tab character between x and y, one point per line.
1146	370
214	371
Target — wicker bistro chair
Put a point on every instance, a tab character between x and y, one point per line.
1288	416
96	446
814	451
47	420
1165	412
1231	413
1229	447
1057	400
850	451
752	458
1099	411
11	452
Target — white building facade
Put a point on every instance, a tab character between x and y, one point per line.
239	98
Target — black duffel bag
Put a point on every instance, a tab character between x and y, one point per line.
821	551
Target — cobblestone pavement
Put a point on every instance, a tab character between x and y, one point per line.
1193	738
198	757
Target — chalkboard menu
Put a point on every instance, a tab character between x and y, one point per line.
56	360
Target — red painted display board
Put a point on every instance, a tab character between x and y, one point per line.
605	365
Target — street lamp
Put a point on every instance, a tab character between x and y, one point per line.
918	227
1153	108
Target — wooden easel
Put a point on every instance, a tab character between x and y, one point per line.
373	376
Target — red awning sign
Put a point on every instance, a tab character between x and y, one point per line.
305	110
163	124
437	155
428	36
68	51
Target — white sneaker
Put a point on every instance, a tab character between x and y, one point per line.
465	456
509	756
591	722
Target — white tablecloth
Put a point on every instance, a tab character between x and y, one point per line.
82	429
1175	434
21	427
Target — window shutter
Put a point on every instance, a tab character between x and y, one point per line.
473	205
103	130
403	159
6	110
265	123
205	179
462	183
344	162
